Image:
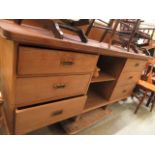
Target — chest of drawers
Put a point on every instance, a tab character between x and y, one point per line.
46	80
128	78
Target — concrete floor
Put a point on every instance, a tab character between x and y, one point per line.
121	121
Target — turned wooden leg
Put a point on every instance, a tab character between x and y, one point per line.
141	101
77	118
6	130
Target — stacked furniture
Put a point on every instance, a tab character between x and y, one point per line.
45	80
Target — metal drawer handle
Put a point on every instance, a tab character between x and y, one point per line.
68	63
137	64
59	86
58	112
130	77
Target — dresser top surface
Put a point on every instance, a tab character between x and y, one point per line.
26	34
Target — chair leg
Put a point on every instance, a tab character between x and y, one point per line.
150	98
141	101
152	104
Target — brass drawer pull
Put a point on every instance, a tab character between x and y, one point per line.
67	63
124	91
137	64
130	77
59	86
58	112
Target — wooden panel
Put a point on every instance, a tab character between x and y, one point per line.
111	65
133	65
7	78
121	91
36	117
43	61
40	89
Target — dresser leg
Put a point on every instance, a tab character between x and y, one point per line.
77	118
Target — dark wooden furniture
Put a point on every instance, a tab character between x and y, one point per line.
47	80
111	27
147	86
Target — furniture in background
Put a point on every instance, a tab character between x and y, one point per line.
48	80
56	26
146	86
110	26
125	29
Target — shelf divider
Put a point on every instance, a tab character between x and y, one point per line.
103	77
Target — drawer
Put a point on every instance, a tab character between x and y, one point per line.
122	91
36	117
41	89
128	78
134	65
36	61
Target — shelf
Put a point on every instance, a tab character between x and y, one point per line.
94	101
86	120
103	77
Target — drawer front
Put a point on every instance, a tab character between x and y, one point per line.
42	61
41	89
128	78
134	65
122	91
39	116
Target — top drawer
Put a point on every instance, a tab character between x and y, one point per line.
43	61
134	65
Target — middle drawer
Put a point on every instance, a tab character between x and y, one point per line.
128	78
41	89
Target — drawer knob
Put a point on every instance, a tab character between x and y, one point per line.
58	112
137	64
124	91
130	77
59	86
67	63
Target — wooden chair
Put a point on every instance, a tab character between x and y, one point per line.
3	122
146	86
56	26
128	34
122	32
147	44
111	27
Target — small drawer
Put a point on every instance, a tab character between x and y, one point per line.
35	61
134	65
36	117
128	78
122	91
42	89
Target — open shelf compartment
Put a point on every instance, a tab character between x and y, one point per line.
103	77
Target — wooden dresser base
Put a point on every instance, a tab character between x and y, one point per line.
86	120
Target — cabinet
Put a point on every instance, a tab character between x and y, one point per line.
46	80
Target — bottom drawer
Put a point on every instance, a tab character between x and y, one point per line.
36	117
122	91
